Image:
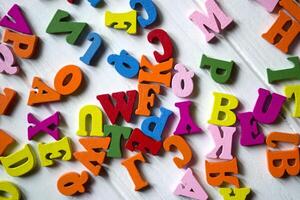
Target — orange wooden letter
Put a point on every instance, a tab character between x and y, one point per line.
5	141
282	137
292	7
178	142
160	73
133	171
23	45
282	161
75	78
41	93
71	183
218	173
281	36
93	154
6	100
146	98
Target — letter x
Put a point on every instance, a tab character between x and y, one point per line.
48	125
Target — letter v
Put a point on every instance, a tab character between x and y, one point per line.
15	20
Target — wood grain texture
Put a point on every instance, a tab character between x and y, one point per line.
243	44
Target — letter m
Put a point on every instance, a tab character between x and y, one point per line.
209	24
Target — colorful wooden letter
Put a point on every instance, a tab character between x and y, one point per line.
74	77
292	7
250	133
49	126
285	74
24	46
125	64
15	20
223	142
190	187
124	105
7	100
59	24
239	193
287	34
116	133
149	7
20	162
96	123
294	90
41	93
55	150
7	61
186	124
95	3
130	165
159	35
9	191
283	161
182	82
228	118
220	70
147	94
139	141
184	148
209	24
94	48
71	183
218	173
285	158
275	137
154	126
268	106
95	153
125	21
269	5
160	73
5	141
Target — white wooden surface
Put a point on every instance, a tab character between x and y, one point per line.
242	43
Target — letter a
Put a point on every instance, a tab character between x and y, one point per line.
190	187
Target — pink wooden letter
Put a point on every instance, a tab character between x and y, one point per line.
7	65
182	76
269	5
221	142
190	187
215	16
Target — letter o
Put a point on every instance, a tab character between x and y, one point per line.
72	84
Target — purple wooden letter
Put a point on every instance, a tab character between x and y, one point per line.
268	107
48	125
250	134
186	124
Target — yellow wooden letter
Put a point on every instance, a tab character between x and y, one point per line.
59	149
294	90
9	191
222	114
96	121
126	21
19	163
239	193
